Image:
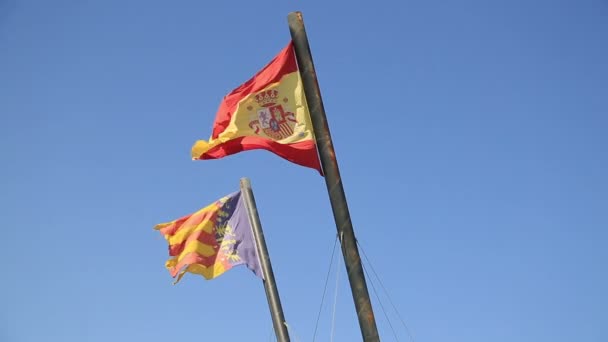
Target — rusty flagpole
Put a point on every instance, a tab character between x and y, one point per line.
333	181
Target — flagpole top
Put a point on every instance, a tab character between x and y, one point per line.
295	15
245	183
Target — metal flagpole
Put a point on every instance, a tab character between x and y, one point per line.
270	286
333	181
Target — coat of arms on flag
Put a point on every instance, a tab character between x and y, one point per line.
272	118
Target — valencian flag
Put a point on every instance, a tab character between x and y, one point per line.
212	240
267	112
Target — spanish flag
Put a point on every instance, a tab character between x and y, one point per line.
212	240
267	112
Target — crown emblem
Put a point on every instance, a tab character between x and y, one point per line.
267	98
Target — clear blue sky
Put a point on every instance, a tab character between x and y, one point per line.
471	136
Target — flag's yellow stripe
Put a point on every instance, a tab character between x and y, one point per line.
197	247
207	272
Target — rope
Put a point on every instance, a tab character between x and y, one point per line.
325	288
333	315
381	305
385	292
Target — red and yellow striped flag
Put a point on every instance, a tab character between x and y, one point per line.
267	112
212	240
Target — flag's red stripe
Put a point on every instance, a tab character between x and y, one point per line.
284	63
189	220
201	236
302	153
194	258
172	228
